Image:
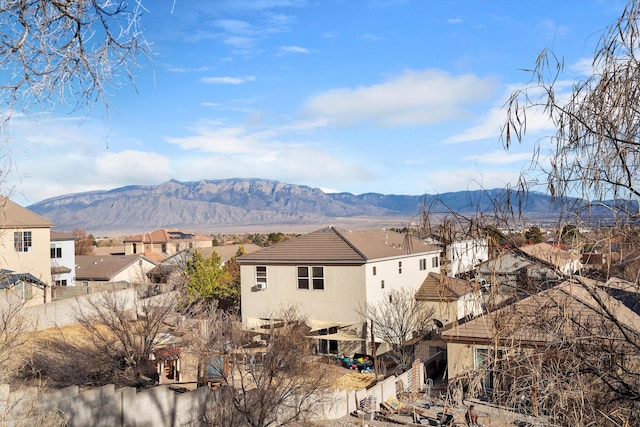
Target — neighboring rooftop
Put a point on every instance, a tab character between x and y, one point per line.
165	235
331	245
92	267
549	254
12	215
57	236
438	287
535	319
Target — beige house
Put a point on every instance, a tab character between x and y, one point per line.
329	275
560	314
451	299
24	245
125	269
565	263
166	242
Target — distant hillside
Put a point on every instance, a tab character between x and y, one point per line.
225	204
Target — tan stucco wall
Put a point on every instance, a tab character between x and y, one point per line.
343	293
37	261
459	359
136	273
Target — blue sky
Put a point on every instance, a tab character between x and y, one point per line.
388	96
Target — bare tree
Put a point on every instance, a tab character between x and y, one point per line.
587	369
66	52
279	384
15	334
596	146
129	328
399	320
84	243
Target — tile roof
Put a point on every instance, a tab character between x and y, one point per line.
549	254
92	267
505	262
439	287
58	236
165	235
547	315
12	215
331	245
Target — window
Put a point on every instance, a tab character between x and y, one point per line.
164	248
22	241
423	264
435	262
261	275
328	346
316	278
134	248
399	267
61	283
303	277
56	252
190	245
390	298
375	271
85	284
177	247
381	284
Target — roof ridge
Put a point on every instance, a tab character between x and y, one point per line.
351	245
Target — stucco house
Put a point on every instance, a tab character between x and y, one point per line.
531	267
126	269
170	269
24	245
564	262
165	241
451	299
329	275
577	309
63	259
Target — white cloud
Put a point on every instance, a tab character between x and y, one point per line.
489	126
237	151
469	179
584	67
227	80
414	98
294	49
499	157
130	166
454	20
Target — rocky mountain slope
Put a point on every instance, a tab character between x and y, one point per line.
245	203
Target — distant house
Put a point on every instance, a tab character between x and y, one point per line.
451	299
165	242
168	270
529	266
329	275
63	259
565	263
129	269
464	255
24	245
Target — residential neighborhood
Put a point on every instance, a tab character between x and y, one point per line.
482	307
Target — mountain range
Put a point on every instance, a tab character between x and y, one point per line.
256	204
